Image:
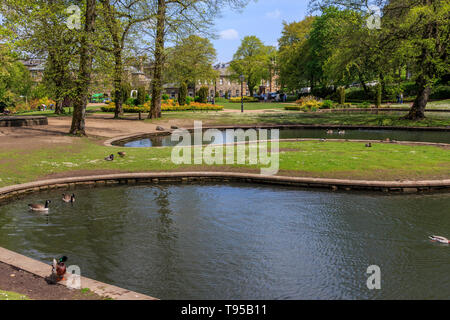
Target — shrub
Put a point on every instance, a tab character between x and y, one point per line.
203	94
327	104
440	92
189	100
182	94
378	100
140	97
307	103
165	96
226	95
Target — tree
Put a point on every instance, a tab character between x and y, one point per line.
293	54
174	18
191	60
413	32
252	60
119	20
85	68
140	100
203	94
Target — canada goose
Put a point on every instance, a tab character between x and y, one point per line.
59	268
439	239
368	145
110	157
329	131
121	153
39	207
68	198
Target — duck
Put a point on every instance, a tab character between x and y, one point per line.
341	132
39	207
122	154
439	239
110	157
368	145
68	198
387	140
59	268
329	131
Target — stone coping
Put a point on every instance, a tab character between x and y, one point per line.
44	270
404	186
23	121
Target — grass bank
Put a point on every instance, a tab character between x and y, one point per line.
346	160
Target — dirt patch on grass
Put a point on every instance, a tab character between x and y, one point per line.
36	288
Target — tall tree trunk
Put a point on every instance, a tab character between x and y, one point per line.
155	110
59	106
417	110
118	111
84	77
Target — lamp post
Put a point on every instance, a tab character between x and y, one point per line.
242	78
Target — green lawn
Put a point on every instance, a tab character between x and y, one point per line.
254	105
310	158
7	295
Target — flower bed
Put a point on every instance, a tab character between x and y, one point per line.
246	99
166	106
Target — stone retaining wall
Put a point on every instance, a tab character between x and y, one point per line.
13	192
23	121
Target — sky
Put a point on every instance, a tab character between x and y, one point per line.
261	18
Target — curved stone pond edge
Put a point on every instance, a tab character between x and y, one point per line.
43	270
408	186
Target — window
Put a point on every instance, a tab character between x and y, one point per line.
220	93
221	81
237	93
229	82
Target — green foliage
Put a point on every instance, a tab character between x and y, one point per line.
182	94
252	59
140	96
327	104
126	91
203	94
165	96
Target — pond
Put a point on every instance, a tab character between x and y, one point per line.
241	241
363	134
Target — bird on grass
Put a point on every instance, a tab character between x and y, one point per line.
368	145
39	207
59	268
439	239
121	153
68	198
110	157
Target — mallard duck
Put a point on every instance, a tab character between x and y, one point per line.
68	198
122	154
59	268
368	145
39	207
110	157
439	239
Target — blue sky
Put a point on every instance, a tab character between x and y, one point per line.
262	18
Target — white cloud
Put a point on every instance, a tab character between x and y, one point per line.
273	14
229	34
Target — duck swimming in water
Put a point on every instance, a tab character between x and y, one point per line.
39	207
439	239
68	198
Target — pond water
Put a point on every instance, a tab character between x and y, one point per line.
239	241
363	134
